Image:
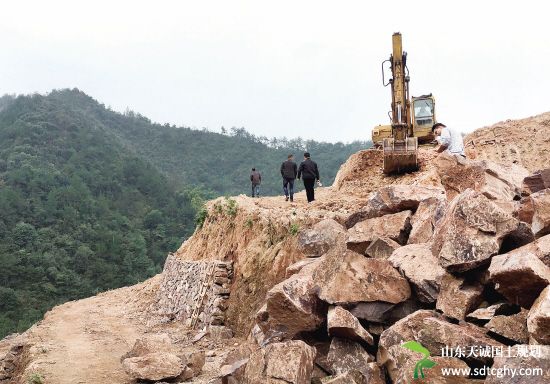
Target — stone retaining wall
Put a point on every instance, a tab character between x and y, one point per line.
195	292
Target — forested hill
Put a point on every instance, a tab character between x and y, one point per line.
216	162
91	199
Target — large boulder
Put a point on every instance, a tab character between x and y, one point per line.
346	277
291	307
535	210
381	312
484	314
420	267
472	231
538	320
392	199
160	342
512	327
540	248
425	220
345	356
533	359
341	323
281	363
458	297
154	366
381	247
519	277
395	227
495	181
317	240
536	182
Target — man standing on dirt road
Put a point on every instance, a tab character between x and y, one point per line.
256	180
449	140
309	172
289	169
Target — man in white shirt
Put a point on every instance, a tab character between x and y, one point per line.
449	140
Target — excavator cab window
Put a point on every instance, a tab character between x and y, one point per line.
423	112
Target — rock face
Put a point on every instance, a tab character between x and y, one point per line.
471	232
535	210
381	247
393	199
495	181
288	362
457	298
536	182
420	267
426	218
519	278
291	307
318	240
513	327
520	357
395	227
349	277
540	248
343	324
150	344
345	356
538	320
153	366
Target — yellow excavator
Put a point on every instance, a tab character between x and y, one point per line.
409	126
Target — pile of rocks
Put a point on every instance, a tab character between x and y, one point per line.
462	266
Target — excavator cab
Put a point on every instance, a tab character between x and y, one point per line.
411	121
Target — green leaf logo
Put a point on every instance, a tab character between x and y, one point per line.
424	362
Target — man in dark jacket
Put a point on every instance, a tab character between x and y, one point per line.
256	180
309	172
288	172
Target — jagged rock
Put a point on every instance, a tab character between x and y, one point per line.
291	307
420	267
345	355
426	218
538	320
513	327
234	363
193	361
495	181
375	311
487	313
471	232
348	277
396	227
432	331
160	342
153	366
519	277
297	266
520	357
536	182
392	199
11	362
381	247
457	297
220	332
341	323
374	376
535	210
318	240
288	362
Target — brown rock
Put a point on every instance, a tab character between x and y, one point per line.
193	361
374	311
495	181
540	248
520	357
538	320
396	227
535	210
381	247
536	182
424	221
487	313
471	232
392	199
519	278
345	356
288	362
457	298
341	323
318	240
160	342
153	366
220	332
350	377
420	267
513	327
297	266
291	307
348	277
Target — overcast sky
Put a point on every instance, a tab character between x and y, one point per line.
282	68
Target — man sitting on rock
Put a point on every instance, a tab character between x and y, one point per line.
449	140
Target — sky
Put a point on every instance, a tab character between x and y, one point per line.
282	68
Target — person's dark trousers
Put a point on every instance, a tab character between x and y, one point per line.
288	187
310	192
255	190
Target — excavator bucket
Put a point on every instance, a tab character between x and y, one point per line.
400	155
